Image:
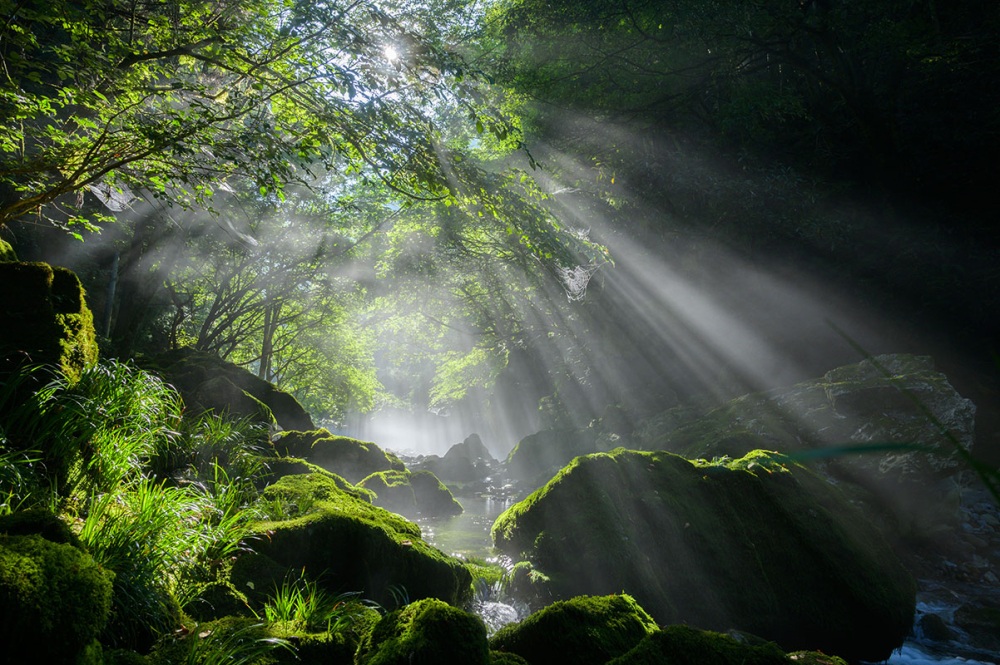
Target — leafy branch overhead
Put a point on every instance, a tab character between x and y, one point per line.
179	97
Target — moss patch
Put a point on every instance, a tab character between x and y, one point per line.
54	599
46	319
753	544
587	630
419	493
427	632
351	458
351	545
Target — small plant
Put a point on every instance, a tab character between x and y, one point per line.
242	646
304	602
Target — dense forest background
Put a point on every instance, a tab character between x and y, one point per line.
505	216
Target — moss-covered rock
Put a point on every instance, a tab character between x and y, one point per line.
348	545
427	632
537	457
351	458
586	630
208	383
891	425
7	253
38	522
54	600
464	462
683	645
46	319
753	544
416	494
296	466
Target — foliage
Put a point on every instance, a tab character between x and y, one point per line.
176	99
304	602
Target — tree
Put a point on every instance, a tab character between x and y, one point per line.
179	98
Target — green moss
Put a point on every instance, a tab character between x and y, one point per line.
38	522
351	458
7	252
587	630
53	598
485	572
682	645
351	545
752	544
504	658
123	657
46	318
427	632
419	493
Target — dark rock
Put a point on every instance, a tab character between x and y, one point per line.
981	622
583	630
933	627
351	458
208	383
753	544
427	632
683	645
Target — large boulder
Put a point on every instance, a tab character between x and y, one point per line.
209	383
416	494
582	630
465	462
755	544
427	632
351	458
537	457
45	319
54	600
344	543
890	425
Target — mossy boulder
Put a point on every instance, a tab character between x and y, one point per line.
890	425
209	383
684	645
416	494
351	458
504	658
586	630
756	544
54	600
7	253
46	319
537	457
427	632
347	544
296	466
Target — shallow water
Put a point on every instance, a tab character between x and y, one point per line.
466	535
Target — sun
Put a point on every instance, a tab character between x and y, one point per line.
391	54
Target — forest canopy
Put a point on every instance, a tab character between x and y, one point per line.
423	203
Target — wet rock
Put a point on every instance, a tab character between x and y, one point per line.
932	627
980	621
753	544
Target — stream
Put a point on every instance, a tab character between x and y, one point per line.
468	536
